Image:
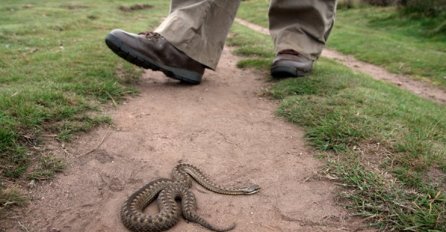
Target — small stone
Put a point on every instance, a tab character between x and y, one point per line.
32	184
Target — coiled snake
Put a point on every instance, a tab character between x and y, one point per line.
166	192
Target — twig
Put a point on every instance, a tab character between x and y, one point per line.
23	227
66	152
269	227
113	100
99	145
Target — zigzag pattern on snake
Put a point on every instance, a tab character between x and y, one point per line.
167	192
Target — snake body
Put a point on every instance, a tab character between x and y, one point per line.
167	192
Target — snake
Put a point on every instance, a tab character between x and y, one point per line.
167	192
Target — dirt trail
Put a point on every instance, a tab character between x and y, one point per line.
223	126
422	89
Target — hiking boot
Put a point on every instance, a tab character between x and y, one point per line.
150	50
289	63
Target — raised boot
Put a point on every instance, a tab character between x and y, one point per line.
150	50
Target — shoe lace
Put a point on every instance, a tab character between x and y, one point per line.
151	35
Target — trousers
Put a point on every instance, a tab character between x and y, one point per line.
199	27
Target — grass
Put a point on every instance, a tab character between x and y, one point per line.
385	203
385	144
414	46
56	74
46	168
9	198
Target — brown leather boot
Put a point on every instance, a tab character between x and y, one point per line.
289	63
150	50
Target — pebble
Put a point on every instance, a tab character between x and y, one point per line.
32	184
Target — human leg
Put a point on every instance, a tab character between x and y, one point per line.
199	27
299	30
189	40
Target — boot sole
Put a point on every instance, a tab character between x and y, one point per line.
138	59
286	71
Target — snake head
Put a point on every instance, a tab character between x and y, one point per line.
251	189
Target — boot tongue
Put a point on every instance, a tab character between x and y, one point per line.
289	52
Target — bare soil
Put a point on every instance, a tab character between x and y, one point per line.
224	126
420	88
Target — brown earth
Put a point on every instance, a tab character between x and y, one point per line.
422	89
224	126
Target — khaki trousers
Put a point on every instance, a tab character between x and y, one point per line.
199	27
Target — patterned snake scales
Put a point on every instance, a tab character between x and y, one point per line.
166	192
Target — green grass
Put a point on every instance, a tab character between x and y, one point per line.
9	198
366	128
46	168
414	46
386	204
56	73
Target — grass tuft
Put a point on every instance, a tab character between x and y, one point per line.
10	197
385	203
83	124
46	168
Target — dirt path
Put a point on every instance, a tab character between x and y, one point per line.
223	126
422	89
